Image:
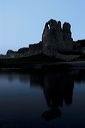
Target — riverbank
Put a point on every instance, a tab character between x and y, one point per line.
40	61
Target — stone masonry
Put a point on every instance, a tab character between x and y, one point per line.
56	38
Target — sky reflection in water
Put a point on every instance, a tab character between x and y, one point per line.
33	99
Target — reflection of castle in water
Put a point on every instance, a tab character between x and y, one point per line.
57	87
38	77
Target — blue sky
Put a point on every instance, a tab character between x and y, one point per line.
22	21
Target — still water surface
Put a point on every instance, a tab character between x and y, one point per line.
26	97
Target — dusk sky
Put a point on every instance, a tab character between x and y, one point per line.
22	21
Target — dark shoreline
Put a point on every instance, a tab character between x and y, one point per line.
41	61
50	66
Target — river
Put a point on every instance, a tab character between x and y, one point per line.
42	99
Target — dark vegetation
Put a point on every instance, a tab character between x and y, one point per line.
26	62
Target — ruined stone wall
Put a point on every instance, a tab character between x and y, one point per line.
3	56
66	57
35	48
13	54
23	50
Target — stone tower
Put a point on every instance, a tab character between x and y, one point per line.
56	38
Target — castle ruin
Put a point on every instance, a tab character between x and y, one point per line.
56	41
56	38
